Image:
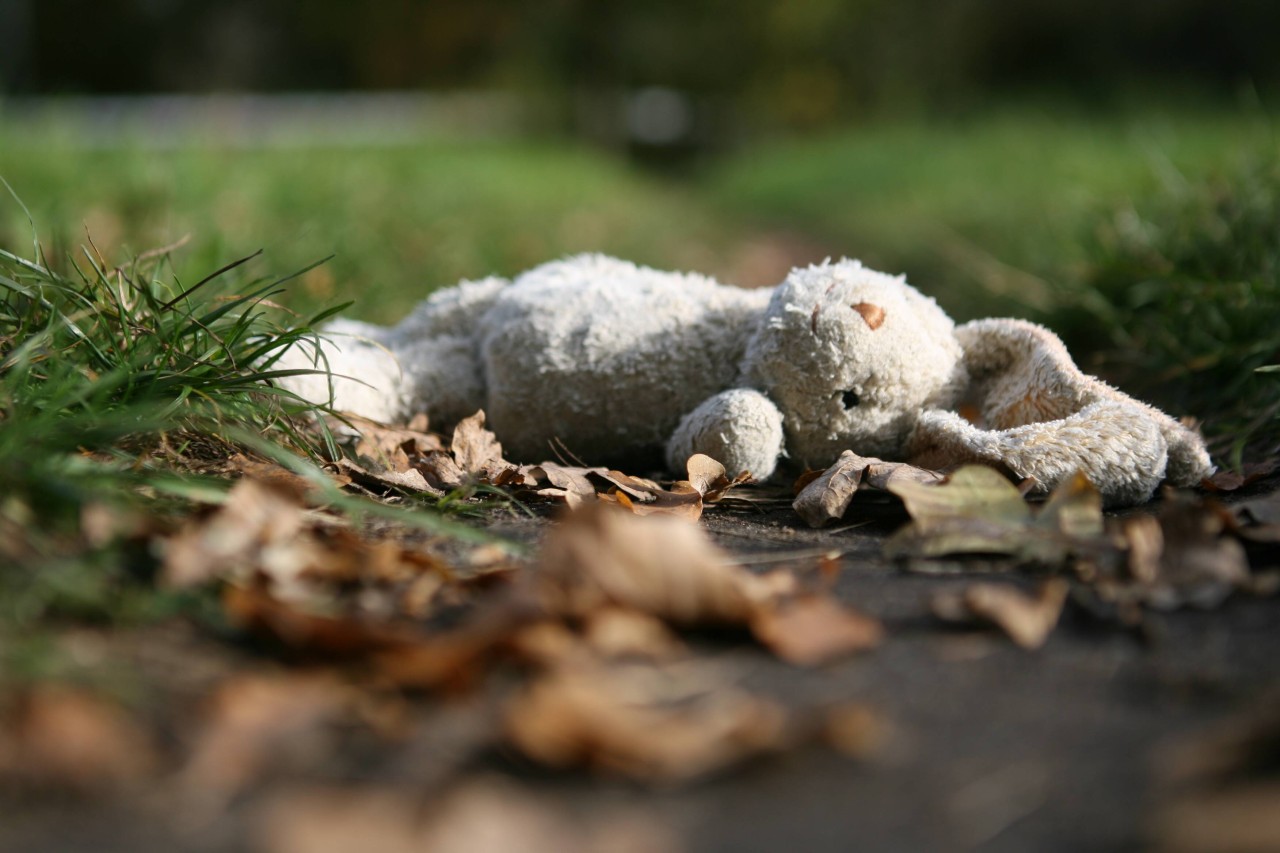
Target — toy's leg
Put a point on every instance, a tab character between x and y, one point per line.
741	429
357	372
443	378
1118	446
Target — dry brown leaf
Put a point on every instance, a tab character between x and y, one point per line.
258	725
447	660
709	478
255	516
1230	481
484	816
393	446
656	565
1027	620
685	505
410	481
1241	819
613	632
1258	520
827	496
1198	564
813	630
856	730
440	470
475	448
69	739
1224	786
641	723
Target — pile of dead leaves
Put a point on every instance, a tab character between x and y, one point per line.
1190	553
411	461
586	646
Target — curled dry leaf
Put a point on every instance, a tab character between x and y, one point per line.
410	480
640	723
1027	620
657	565
709	478
827	496
812	630
476	449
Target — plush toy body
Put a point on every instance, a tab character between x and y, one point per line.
616	361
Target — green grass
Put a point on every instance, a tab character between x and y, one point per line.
400	221
992	214
109	376
1183	299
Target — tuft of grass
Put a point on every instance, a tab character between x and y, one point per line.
111	379
1182	300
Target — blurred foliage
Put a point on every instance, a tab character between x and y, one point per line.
777	61
986	212
1185	296
399	221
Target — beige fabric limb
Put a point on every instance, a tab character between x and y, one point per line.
1044	418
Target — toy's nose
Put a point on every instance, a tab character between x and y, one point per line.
849	399
873	314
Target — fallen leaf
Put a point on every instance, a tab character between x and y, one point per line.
255	516
482	816
1237	820
856	730
1222	785
709	478
408	481
1198	565
1230	481
657	565
440	470
475	448
827	496
641	723
813	630
978	511
685	505
70	739
1027	620
613	632
257	725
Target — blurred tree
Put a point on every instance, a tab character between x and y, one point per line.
776	61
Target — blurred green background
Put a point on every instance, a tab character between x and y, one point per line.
1107	168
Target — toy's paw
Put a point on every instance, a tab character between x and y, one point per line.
1119	446
355	372
741	429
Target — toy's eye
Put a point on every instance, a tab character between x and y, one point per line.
850	399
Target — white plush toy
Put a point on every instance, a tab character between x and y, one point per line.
614	361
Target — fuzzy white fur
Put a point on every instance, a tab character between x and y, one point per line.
612	360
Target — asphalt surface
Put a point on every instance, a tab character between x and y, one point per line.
987	746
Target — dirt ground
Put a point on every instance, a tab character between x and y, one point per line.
979	745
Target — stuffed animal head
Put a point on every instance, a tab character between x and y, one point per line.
851	357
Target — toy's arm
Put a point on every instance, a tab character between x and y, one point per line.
740	428
1118	446
1045	418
